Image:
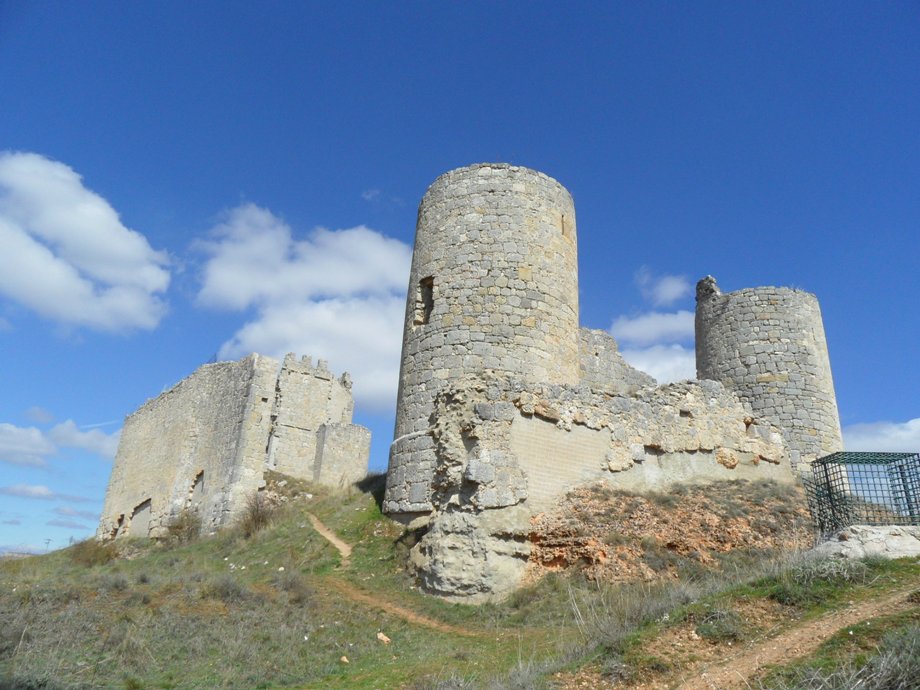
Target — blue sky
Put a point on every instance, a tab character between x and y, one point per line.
185	180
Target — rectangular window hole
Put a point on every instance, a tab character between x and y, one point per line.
424	300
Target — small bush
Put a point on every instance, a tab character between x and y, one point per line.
296	587
813	581
184	528
227	589
257	515
91	552
112	582
720	625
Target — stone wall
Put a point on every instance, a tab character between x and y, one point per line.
493	286
508	450
602	367
205	444
767	344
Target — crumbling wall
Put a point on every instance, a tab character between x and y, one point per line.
205	444
192	430
306	398
602	367
767	344
508	450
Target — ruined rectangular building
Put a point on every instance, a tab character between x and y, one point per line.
205	444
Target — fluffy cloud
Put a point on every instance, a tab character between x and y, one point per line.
67	256
24	446
883	436
661	291
337	295
666	363
39	415
40	492
95	441
32	446
653	327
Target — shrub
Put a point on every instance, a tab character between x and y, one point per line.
257	515
184	528
91	552
813	581
720	625
227	589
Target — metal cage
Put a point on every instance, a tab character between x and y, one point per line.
864	489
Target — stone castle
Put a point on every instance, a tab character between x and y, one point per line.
205	444
505	403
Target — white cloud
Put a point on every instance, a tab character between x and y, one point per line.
337	295
24	446
370	194
32	446
69	524
661	290
654	327
40	492
666	363
95	441
883	436
66	254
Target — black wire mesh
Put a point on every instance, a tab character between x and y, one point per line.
864	489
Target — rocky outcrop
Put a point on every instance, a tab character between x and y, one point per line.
859	541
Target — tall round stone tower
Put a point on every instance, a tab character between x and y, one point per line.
768	345
493	286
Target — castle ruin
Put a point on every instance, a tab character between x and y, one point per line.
505	403
205	444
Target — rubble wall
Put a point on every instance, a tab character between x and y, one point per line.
493	286
508	450
767	344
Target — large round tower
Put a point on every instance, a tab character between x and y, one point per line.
768	345
493	286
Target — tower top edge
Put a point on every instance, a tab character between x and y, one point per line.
486	169
707	288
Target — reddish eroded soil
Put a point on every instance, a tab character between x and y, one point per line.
615	536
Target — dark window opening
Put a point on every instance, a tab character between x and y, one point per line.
424	300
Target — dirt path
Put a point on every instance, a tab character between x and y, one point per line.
343	548
355	594
407	615
734	671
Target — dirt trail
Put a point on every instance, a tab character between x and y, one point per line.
343	548
734	671
355	594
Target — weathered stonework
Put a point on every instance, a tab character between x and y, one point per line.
508	449
205	444
767	344
505	403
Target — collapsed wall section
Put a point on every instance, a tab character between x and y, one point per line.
197	442
767	344
602	367
507	450
493	287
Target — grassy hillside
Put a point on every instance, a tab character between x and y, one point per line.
277	607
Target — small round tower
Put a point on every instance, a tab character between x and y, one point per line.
493	286
767	344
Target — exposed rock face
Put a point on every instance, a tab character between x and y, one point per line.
859	541
507	450
205	444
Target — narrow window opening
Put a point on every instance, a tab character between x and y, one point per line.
424	300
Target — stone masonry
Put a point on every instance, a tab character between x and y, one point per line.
505	403
205	444
493	287
767	344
